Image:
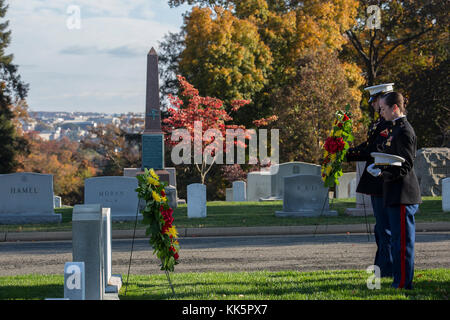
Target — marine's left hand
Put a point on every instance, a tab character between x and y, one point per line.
373	171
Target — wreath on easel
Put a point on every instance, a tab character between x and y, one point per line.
157	214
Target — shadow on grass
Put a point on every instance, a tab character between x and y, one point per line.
31	292
321	287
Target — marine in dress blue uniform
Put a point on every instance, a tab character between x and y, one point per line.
373	186
401	192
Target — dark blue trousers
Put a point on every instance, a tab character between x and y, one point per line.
403	229
383	256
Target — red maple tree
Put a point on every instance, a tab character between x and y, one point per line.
190	108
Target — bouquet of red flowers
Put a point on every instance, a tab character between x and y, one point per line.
336	146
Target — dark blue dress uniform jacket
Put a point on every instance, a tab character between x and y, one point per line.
376	137
400	184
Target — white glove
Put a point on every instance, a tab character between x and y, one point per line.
373	171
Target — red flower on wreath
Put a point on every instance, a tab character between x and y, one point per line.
334	144
168	219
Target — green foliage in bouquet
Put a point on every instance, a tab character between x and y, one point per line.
336	146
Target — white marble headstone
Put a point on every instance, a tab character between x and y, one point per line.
258	185
446	194
239	191
229	194
343	189
196	200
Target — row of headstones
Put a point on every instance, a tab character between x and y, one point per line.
265	183
28	197
258	188
89	276
269	185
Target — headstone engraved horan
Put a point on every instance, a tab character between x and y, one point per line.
27	197
118	193
305	196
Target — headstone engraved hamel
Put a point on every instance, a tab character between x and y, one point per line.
117	193
305	196
27	197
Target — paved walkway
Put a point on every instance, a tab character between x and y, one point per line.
225	231
233	253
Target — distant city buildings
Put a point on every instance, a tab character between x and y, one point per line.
75	125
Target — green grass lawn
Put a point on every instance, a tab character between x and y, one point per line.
234	214
263	285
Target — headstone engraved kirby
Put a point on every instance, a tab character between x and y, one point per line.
27	197
117	193
305	196
280	171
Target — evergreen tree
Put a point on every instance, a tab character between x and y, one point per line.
12	90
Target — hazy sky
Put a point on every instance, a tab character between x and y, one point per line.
99	67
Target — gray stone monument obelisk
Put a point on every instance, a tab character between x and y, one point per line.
153	137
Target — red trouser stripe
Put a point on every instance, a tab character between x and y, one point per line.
402	246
